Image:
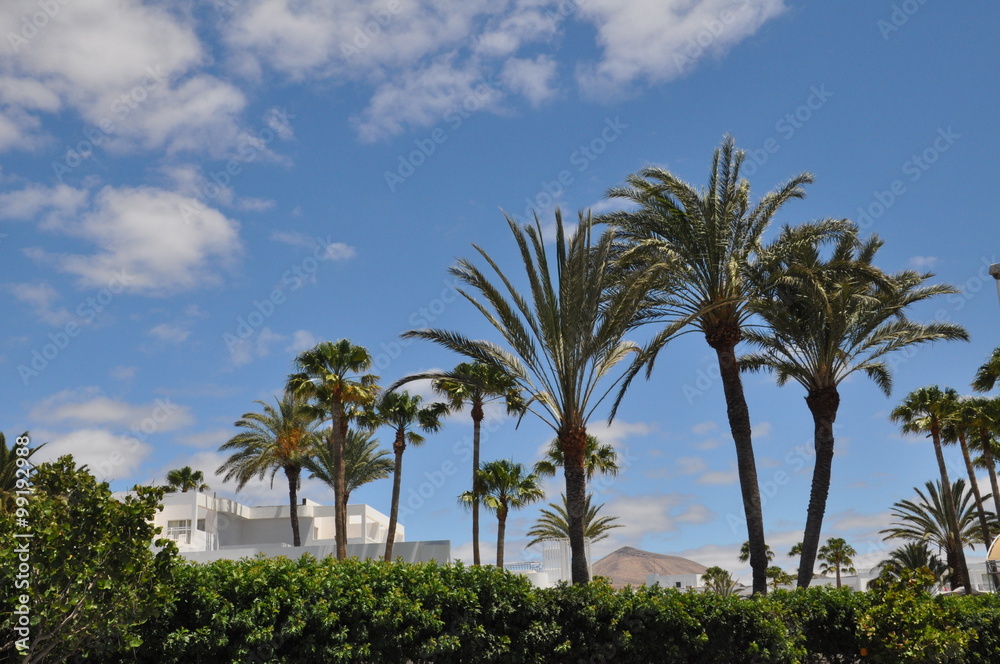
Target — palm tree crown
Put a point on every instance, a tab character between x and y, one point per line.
565	340
186	479
554	523
279	438
600	458
988	374
835	556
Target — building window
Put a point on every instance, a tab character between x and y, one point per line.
201	524
677	584
179	529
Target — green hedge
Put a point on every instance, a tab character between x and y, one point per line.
276	610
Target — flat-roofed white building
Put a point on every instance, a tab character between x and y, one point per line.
206	527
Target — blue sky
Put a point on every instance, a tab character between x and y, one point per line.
191	193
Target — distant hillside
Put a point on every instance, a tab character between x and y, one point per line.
628	566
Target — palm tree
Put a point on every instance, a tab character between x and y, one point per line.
402	413
989	373
986	422
959	424
745	552
825	320
719	581
912	556
473	384
835	556
332	375
924	411
279	438
505	485
705	244
553	524
565	340
186	479
928	520
364	462
778	576
598	458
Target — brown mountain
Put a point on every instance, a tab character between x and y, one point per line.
629	567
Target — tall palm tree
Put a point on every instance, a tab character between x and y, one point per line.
473	384
927	520
565	340
826	319
986	422
705	245
276	439
599	458
988	374
402	413
554	523
364	461
332	374
959	424
504	485
186	480
912	556
924	411
835	556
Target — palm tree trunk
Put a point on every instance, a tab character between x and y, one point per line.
823	404
838	575
293	501
975	491
398	446
338	426
573	440
991	468
477	422
501	532
962	569
739	425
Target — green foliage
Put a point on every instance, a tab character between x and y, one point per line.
825	620
904	624
93	580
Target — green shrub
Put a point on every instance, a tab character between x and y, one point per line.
980	613
826	621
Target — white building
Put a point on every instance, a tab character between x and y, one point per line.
206	527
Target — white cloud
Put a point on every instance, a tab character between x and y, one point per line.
720	477
123	373
654	514
531	78
170	332
923	262
60	202
704	427
108	456
148	241
659	40
212	438
439	92
89	407
761	430
128	69
691	465
301	340
40	297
